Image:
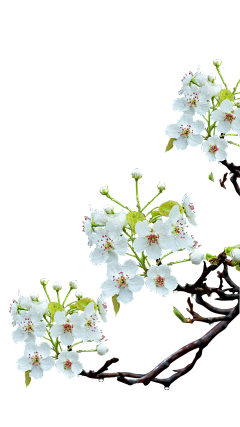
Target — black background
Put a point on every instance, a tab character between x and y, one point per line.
85	116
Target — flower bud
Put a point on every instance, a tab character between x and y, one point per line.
34	297
161	187
137	174
102	349
73	284
104	191
197	257
211	78
57	286
78	296
235	254
108	209
44	282
217	62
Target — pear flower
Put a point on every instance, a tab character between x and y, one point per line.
66	328
109	243
227	117
102	308
235	254
195	100
215	148
30	325
189	209
186	132
68	363
88	321
36	359
159	279
197	257
150	239
122	281
178	238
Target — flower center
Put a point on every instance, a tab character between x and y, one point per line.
229	117
191	206
90	323
185	131
159	281
213	148
67	364
28	325
121	280
35	359
178	230
67	327
107	245
193	100
152	238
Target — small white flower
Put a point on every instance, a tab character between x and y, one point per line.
68	364
36	359
41	306
78	296
102	349
34	296
30	325
213	89
151	239
44	282
197	257
57	286
217	62
102	308
235	254
161	186
122	281
159	279
186	132
109	242
189	209
99	218
16	306
104	191
119	219
73	284
186	81
195	100
66	328
211	77
178	237
108	209
88	320
227	117
215	148
137	174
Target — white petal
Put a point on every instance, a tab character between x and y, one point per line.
195	140
151	284
173	131
47	364
125	296
113	270
140	244
181	143
67	338
68	373
163	270
44	349
170	282
227	106
60	317
198	127
56	331
36	372
217	115
121	245
98	256
129	268
161	290
73	356
224	127
24	364
142	228
77	367
109	288
221	155
59	366
40	329
136	283
153	251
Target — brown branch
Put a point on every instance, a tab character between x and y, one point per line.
235	170
222	181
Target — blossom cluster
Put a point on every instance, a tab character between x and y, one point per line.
60	325
218	106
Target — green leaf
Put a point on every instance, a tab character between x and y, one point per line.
133	218
229	249
180	315
53	307
212	259
238	267
83	302
116	304
211	177
27	378
166	207
155	213
170	144
226	94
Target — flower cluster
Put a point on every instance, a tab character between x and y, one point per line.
60	324
218	106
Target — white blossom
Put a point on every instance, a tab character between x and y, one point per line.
102	349
30	325
122	281
73	284
109	243
159	279
215	148
96	217
186	132
102	308
235	254
88	321
178	238
151	239
108	209
137	174
227	117
189	209
36	359
67	328
57	286
197	257
16	306
217	62
34	296
195	100
68	363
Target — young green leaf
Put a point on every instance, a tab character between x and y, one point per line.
211	177
116	304
226	94
83	302
133	218
179	315
165	208
27	378
170	144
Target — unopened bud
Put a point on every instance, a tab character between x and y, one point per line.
73	284
104	191
217	62
211	78
44	282
108	209
137	174
235	255
34	297
161	187
102	349
78	296
197	257
57	286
